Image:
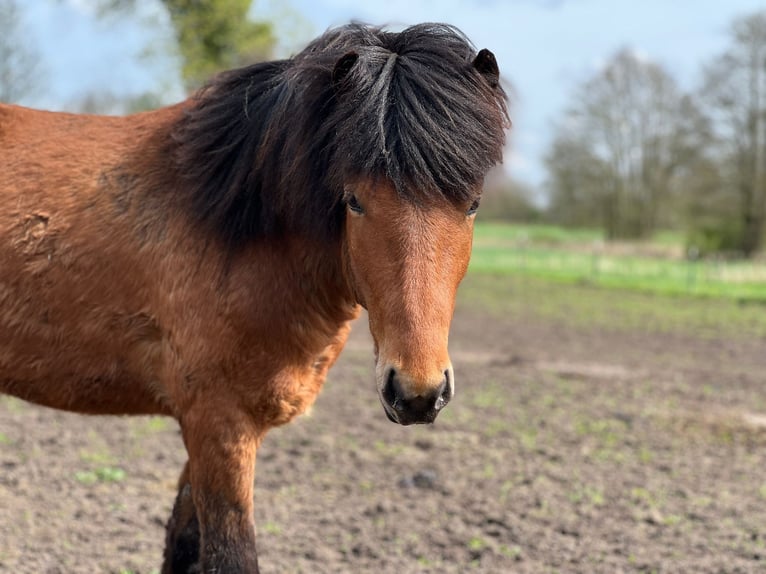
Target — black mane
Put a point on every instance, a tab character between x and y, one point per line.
266	149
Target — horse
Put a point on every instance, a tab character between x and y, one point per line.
205	260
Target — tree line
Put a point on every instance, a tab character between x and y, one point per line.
634	154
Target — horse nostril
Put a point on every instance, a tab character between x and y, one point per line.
392	392
444	392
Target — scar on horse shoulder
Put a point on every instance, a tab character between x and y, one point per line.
32	237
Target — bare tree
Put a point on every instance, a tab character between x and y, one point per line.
621	145
19	62
735	93
578	182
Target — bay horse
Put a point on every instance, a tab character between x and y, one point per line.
204	260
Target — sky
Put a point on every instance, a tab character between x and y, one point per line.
545	48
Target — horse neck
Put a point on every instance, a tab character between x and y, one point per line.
304	271
322	263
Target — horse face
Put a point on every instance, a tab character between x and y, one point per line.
406	261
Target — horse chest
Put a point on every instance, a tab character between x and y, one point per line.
298	359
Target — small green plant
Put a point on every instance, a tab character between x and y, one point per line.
101	457
510	551
151	425
103	474
387	449
705	501
505	489
86	477
528	439
672	520
641	495
587	494
645	455
595	496
476	544
110	474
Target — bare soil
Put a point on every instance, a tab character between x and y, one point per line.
566	449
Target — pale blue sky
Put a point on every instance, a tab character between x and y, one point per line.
544	47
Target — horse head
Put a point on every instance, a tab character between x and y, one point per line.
420	142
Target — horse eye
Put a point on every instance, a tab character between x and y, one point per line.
474	207
353	204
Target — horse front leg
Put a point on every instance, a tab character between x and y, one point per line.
221	442
182	540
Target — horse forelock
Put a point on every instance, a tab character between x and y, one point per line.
266	149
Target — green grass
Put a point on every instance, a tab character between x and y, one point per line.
590	306
579	256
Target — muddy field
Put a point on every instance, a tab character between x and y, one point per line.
569	447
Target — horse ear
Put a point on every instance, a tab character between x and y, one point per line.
343	67
486	64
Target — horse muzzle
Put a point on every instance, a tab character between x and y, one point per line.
422	407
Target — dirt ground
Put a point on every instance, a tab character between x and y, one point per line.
566	449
